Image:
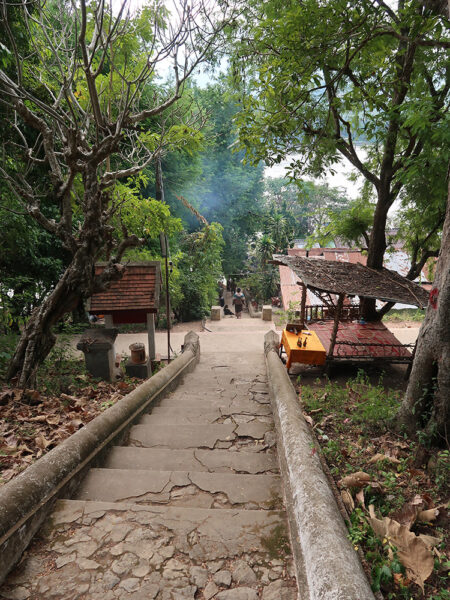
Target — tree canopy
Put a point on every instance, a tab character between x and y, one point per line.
318	79
84	111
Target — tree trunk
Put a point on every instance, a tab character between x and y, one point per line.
79	314
377	248
37	338
426	405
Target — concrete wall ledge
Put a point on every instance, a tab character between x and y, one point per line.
327	566
27	500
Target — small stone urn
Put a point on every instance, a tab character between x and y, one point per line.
138	365
137	353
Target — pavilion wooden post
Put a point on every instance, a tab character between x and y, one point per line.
151	336
303	306
337	316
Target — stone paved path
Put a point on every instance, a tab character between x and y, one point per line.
191	508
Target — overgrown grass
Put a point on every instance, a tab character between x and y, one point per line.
132	328
405	314
353	423
371	406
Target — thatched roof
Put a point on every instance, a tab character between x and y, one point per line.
354	280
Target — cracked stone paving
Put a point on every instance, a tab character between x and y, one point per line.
190	508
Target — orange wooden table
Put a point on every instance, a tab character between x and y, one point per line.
310	352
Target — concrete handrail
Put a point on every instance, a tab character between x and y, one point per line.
255	314
327	566
28	498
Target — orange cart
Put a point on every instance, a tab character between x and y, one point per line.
303	347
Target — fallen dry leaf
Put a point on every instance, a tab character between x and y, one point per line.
359	480
41	442
428	515
375	485
347	500
38	419
31	396
8	474
308	419
54	420
379	457
414	552
325	420
360	497
67	398
76	423
429	540
400	579
5	397
407	515
24	448
417	560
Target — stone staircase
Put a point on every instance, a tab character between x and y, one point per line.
190	508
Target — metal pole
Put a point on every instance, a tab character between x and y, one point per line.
159	195
168	310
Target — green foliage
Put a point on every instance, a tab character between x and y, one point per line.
287	199
7	345
200	269
60	371
144	216
63	158
442	470
307	208
382	556
228	191
351	225
30	264
316	79
262	284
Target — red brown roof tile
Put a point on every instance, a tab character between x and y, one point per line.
138	290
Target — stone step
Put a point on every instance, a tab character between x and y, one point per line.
217	461
182	488
199	436
218	387
170	417
105	551
226	406
211	417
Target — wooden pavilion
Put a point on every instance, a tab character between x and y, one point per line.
334	332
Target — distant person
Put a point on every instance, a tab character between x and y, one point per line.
221	298
238	302
227	312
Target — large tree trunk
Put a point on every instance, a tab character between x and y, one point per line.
377	248
37	338
426	405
